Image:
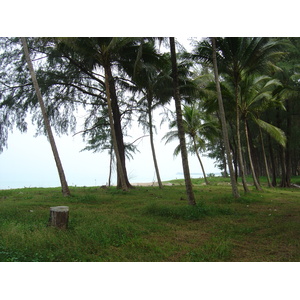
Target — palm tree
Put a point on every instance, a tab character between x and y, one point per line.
148	78
237	58
223	122
288	119
198	127
64	185
256	94
181	135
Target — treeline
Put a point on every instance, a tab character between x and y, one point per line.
250	85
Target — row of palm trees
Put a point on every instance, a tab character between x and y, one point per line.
226	98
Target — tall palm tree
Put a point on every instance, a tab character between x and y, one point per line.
243	57
181	135
234	187
64	185
148	78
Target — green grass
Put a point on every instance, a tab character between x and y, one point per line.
149	224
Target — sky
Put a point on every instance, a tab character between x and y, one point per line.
28	160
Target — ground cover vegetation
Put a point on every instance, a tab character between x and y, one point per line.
152	224
236	99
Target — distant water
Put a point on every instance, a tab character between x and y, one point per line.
53	181
179	175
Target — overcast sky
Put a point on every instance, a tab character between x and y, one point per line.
28	161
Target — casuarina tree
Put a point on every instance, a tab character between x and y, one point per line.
63	181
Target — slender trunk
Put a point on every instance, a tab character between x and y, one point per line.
224	160
239	144
272	158
110	164
283	167
265	158
63	181
288	143
254	155
234	187
274	180
113	133
258	187
118	130
152	142
184	156
282	155
200	161
233	149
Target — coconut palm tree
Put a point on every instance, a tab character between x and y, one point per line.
64	185
181	134
256	94
223	121
239	57
288	119
199	127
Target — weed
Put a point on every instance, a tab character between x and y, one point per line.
215	250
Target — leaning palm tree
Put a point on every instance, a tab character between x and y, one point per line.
63	181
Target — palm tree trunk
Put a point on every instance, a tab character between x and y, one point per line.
152	142
272	158
282	155
63	181
288	144
224	159
233	149
258	187
200	161
265	158
184	156
113	133
234	187
239	145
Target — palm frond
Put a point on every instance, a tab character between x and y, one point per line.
276	133
170	136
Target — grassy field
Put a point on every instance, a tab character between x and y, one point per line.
149	224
